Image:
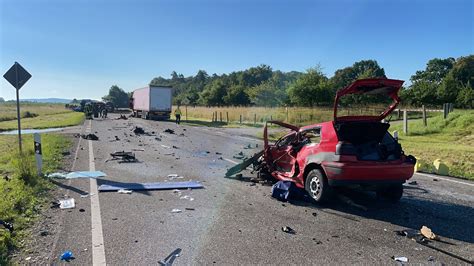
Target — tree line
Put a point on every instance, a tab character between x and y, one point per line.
442	80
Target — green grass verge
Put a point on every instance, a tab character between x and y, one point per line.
451	140
25	192
45	121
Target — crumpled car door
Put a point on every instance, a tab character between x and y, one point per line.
281	158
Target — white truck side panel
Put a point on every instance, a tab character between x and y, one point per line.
160	98
141	99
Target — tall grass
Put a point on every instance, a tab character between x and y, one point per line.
8	109
24	190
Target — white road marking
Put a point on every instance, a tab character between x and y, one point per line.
231	161
98	250
445	179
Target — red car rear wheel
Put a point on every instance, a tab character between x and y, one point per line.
317	185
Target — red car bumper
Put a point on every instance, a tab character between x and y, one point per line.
370	173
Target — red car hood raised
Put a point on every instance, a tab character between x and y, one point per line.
389	87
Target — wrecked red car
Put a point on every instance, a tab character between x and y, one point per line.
348	151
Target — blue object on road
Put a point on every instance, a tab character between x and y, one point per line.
282	190
85	174
151	186
67	256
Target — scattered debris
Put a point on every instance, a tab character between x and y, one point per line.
138	130
239	176
151	186
166	147
426	232
400	259
413	183
117	138
218	153
138	149
288	230
124	191
187	197
239	155
7	225
124	156
175	147
82	210
169	131
176	211
282	190
67	256
168	261
77	174
67	203
174	176
90	137
158	139
55	204
410	233
189	209
28	258
123	117
434	179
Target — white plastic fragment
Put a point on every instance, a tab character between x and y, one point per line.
401	259
174	176
124	191
67	203
176	211
187	197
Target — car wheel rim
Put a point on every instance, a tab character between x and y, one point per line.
315	187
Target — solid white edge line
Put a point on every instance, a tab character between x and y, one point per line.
445	179
98	249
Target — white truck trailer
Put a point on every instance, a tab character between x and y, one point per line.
152	102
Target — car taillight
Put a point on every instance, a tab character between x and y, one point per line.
345	148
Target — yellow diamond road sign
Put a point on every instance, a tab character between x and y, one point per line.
17	76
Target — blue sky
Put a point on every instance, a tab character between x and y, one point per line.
79	48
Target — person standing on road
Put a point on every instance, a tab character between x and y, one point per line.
177	113
104	113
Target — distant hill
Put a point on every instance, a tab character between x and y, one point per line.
47	100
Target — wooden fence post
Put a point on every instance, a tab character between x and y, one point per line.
405	122
424	115
287	115
220	116
271	117
212	120
254	119
186	110
445	110
227	114
241	119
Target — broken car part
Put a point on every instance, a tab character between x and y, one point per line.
151	186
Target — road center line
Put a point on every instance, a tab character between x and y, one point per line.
445	179
98	249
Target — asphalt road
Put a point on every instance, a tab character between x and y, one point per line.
234	221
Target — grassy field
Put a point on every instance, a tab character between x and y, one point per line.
256	116
38	115
451	140
22	191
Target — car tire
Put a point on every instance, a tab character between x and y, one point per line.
391	193
317	186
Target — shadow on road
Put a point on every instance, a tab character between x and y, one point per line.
416	208
70	188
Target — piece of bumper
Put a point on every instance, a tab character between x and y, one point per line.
346	173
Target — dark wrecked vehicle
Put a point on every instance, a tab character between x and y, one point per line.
348	151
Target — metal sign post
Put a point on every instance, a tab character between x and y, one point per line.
38	153
17	76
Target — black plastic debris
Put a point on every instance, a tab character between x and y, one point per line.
138	131
413	183
170	131
117	138
288	230
124	156
90	136
7	225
